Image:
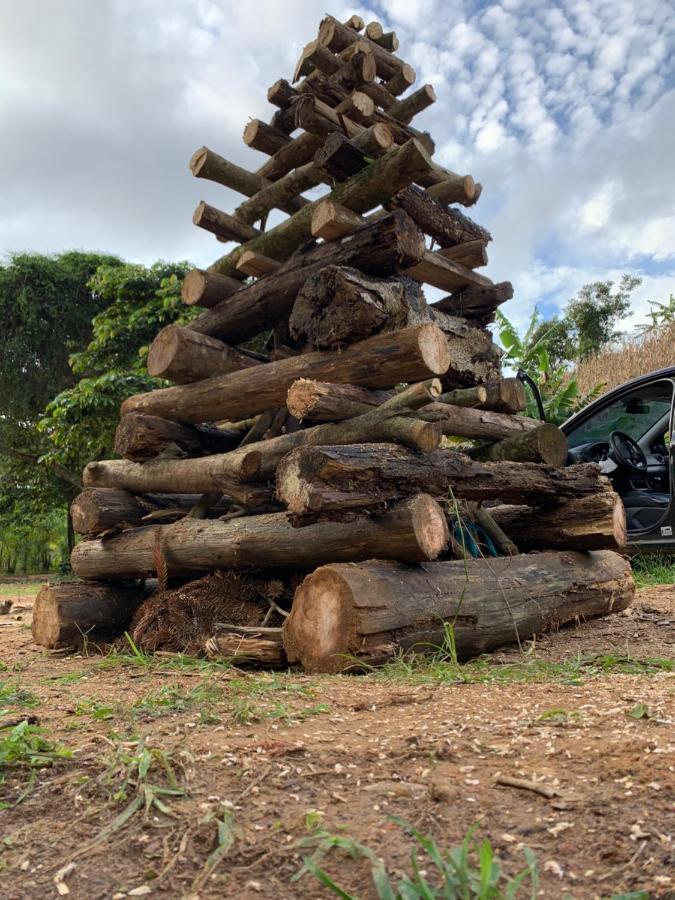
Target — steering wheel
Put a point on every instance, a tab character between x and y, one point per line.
627	452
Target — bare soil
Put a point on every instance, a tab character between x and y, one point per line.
281	757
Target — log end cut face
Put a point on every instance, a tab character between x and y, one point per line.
434	349
430	526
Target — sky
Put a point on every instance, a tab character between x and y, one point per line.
564	111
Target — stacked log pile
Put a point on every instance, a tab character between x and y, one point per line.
331	453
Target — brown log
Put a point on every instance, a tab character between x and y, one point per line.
337	37
453	188
471	396
445	274
263	137
546	443
347	617
386	39
483	424
146	437
248	646
73	613
314	479
413	531
321	401
406	110
446	226
401	80
224	226
505	395
331	221
363	191
207	289
472	254
256	265
476	301
294	154
207	164
595	522
183	355
410	354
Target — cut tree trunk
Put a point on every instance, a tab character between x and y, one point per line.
295	154
386	39
263	137
337	37
222	224
445	274
248	646
446	226
381	248
412	531
546	443
321	401
207	289
349	617
182	355
406	110
472	254
69	614
505	395
410	354
594	522
140	438
479	424
316	479
477	301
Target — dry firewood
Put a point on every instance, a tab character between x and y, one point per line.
346	617
260	647
414	530
417	102
294	154
505	395
447	227
451	188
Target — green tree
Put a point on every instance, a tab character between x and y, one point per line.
594	313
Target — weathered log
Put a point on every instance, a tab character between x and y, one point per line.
472	254
406	110
594	522
445	274
381	248
314	479
413	531
183	355
386	39
104	509
476	301
546	443
248	646
70	614
410	354
347	617
223	225
141	437
207	289
321	401
483	424
363	191
505	395
446	226
471	396
207	164
263	137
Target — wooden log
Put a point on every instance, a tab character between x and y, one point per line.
263	137
476	301
363	191
445	274
413	531
204	163
315	479
331	221
505	395
182	355
406	110
594	522
401	80
321	401
386	39
410	354
348	70
446	226
248	646
546	443
471	396
294	154
207	289
472	254
381	248
345	617
141	437
73	613
256	265
454	189
483	424
336	37
224	226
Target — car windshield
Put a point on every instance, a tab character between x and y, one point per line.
634	414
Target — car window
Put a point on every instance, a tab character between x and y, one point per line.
633	414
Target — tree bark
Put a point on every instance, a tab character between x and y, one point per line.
412	531
317	479
207	289
445	274
259	647
67	615
207	164
363	191
140	438
381	248
476	301
546	443
347	617
410	354
183	355
480	424
321	401
446	226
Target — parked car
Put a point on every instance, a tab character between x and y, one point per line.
628	432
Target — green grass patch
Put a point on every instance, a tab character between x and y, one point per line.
174	699
20	589
132	656
95	709
650	569
12	694
27	748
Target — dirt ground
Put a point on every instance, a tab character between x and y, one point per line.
267	766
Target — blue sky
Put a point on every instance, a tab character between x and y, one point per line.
565	111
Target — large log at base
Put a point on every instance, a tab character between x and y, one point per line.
546	443
380	248
204	163
410	354
367	189
349	617
70	614
318	479
141	437
594	522
413	531
183	355
479	424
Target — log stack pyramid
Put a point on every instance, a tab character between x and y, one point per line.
365	476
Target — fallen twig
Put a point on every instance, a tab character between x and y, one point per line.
524	785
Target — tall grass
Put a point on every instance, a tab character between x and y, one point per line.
635	355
